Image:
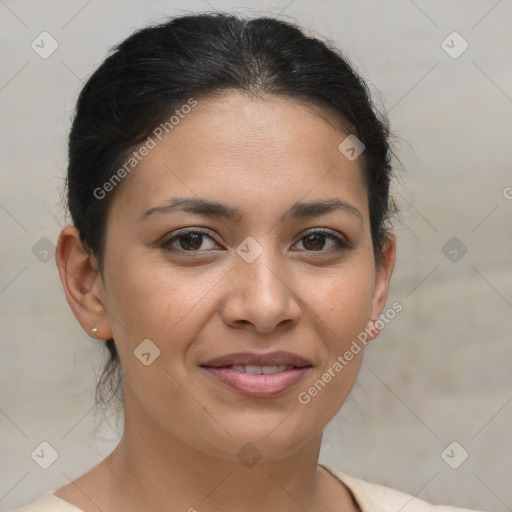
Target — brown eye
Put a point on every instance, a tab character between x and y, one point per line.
189	241
316	241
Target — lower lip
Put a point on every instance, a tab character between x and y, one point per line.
258	385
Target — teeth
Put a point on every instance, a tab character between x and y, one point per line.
253	370
260	370
269	370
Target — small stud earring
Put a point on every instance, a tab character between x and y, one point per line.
94	329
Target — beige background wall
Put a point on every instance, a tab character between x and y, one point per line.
440	371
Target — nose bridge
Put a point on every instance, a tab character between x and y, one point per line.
260	293
260	264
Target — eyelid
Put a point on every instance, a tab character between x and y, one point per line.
324	230
185	231
342	242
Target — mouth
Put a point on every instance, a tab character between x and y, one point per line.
260	370
258	375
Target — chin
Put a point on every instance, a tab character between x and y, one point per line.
269	442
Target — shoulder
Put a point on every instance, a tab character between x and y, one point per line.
377	498
49	503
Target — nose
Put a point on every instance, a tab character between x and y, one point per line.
261	296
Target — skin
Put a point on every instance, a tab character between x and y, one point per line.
183	428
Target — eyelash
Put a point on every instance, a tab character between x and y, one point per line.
341	243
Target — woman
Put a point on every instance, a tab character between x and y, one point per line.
228	183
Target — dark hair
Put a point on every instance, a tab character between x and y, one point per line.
158	69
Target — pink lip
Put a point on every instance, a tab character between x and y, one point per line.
258	385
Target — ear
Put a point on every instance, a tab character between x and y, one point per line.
82	282
382	280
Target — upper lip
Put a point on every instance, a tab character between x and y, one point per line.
251	358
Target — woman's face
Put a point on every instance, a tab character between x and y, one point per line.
261	274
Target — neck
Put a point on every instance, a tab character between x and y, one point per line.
151	469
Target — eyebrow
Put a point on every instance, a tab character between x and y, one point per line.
202	206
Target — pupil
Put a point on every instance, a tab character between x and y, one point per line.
316	238
196	241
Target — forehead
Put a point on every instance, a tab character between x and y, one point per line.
246	150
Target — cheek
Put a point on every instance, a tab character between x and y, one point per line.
342	304
151	299
168	306
344	300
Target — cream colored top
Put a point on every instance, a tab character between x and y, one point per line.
370	497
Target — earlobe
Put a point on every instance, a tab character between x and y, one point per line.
382	280
81	279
